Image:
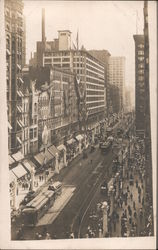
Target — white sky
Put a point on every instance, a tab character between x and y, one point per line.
106	25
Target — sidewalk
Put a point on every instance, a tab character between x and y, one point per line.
139	222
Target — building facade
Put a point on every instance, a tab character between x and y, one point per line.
15	59
90	73
56	105
139	85
116	76
103	56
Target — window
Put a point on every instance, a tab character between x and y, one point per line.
140	52
35	132
31	133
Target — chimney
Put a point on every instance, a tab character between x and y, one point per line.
43	25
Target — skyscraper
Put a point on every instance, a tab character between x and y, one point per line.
139	85
148	154
116	75
15	57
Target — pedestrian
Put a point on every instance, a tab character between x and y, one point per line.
136	183
134	205
121	202
139	198
130	220
135	214
143	201
131	196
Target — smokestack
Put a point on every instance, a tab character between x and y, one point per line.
43	25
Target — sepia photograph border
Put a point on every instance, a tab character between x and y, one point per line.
5	227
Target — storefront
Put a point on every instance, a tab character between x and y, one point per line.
80	143
46	161
72	149
55	153
62	156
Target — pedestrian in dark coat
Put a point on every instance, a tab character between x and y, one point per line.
139	198
134	205
131	196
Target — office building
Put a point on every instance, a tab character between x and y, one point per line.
15	59
116	76
139	85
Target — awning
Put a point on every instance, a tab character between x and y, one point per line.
72	140
12	176
19	109
19	140
53	150
21	80
11	160
39	158
9	126
79	137
18	66
61	147
19	93
19	124
28	166
48	156
19	171
18	156
8	52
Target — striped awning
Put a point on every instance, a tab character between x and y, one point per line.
19	171
39	158
11	160
9	126
53	150
12	176
27	165
18	156
48	156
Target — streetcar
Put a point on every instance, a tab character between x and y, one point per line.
36	208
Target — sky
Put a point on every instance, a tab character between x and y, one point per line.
108	25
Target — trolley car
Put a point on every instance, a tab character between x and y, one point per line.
36	208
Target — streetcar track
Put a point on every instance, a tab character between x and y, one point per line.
91	192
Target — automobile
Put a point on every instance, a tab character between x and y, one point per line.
104	188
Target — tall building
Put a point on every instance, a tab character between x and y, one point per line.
15	58
56	102
148	145
114	100
139	85
103	56
116	76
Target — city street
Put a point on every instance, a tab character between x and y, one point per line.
85	175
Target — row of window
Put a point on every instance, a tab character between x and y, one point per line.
94	98
96	87
95	104
90	92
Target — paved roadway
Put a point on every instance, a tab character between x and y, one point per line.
85	178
